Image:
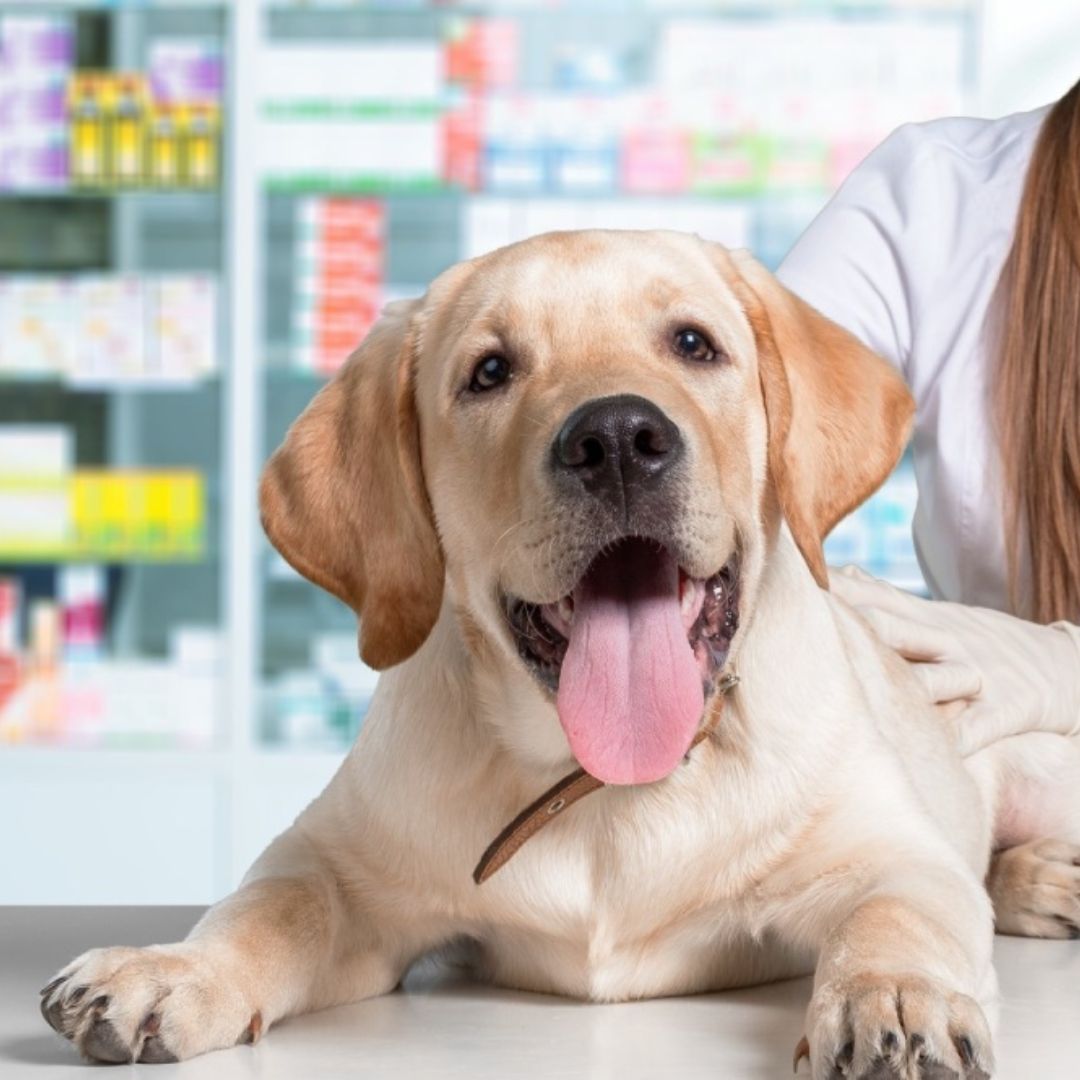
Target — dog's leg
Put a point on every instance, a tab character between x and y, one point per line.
897	980
1034	876
288	941
1036	889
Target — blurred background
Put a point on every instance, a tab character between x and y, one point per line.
203	207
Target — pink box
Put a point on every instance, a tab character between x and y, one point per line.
655	161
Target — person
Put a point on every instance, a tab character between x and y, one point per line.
953	250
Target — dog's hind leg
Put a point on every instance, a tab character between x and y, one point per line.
1034	875
1035	888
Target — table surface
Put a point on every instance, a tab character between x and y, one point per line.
441	1026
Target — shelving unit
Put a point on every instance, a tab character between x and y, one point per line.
275	664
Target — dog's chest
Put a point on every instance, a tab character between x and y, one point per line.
607	913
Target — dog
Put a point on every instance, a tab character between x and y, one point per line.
573	494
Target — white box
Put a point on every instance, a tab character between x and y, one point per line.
111	322
342	73
45	451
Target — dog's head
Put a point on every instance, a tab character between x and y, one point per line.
590	438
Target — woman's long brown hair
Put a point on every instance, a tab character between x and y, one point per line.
1038	379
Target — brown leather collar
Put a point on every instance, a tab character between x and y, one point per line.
555	800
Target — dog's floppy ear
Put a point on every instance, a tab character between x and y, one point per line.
343	498
839	416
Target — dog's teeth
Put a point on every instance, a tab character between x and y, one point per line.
688	595
566	610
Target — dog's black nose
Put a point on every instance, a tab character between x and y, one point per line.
614	445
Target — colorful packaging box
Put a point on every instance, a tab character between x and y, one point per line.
147	515
186	328
482	52
122	136
462	137
655	160
45	451
81	595
128	103
728	164
10	614
111	340
583	149
199	125
35	463
36	57
86	113
339	277
185	71
109	329
37	330
515	147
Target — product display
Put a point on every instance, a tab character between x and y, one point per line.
9	634
36	59
186	71
322	704
58	681
105	129
731	107
52	511
58	685
338	279
109	329
489	223
123	135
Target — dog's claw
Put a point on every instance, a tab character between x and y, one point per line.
102	1041
252	1033
52	1013
966	1051
845	1054
154	1052
802	1050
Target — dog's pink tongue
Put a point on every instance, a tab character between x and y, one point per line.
630	694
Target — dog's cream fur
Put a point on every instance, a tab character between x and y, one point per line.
828	825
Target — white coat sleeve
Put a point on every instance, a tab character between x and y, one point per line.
869	257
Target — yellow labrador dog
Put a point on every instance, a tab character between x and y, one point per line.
570	494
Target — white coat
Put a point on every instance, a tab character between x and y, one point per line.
907	256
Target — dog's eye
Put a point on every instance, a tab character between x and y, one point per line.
492	371
694	345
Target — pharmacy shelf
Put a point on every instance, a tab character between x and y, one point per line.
423	190
664	8
45	7
12	382
195	198
170	768
23	759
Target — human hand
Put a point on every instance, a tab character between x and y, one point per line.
993	674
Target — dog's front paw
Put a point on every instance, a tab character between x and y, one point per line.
159	1004
877	1027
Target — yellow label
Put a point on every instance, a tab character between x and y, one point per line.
127	514
127	159
164	160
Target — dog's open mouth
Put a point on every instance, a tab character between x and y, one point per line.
632	653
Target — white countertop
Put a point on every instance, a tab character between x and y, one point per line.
442	1027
